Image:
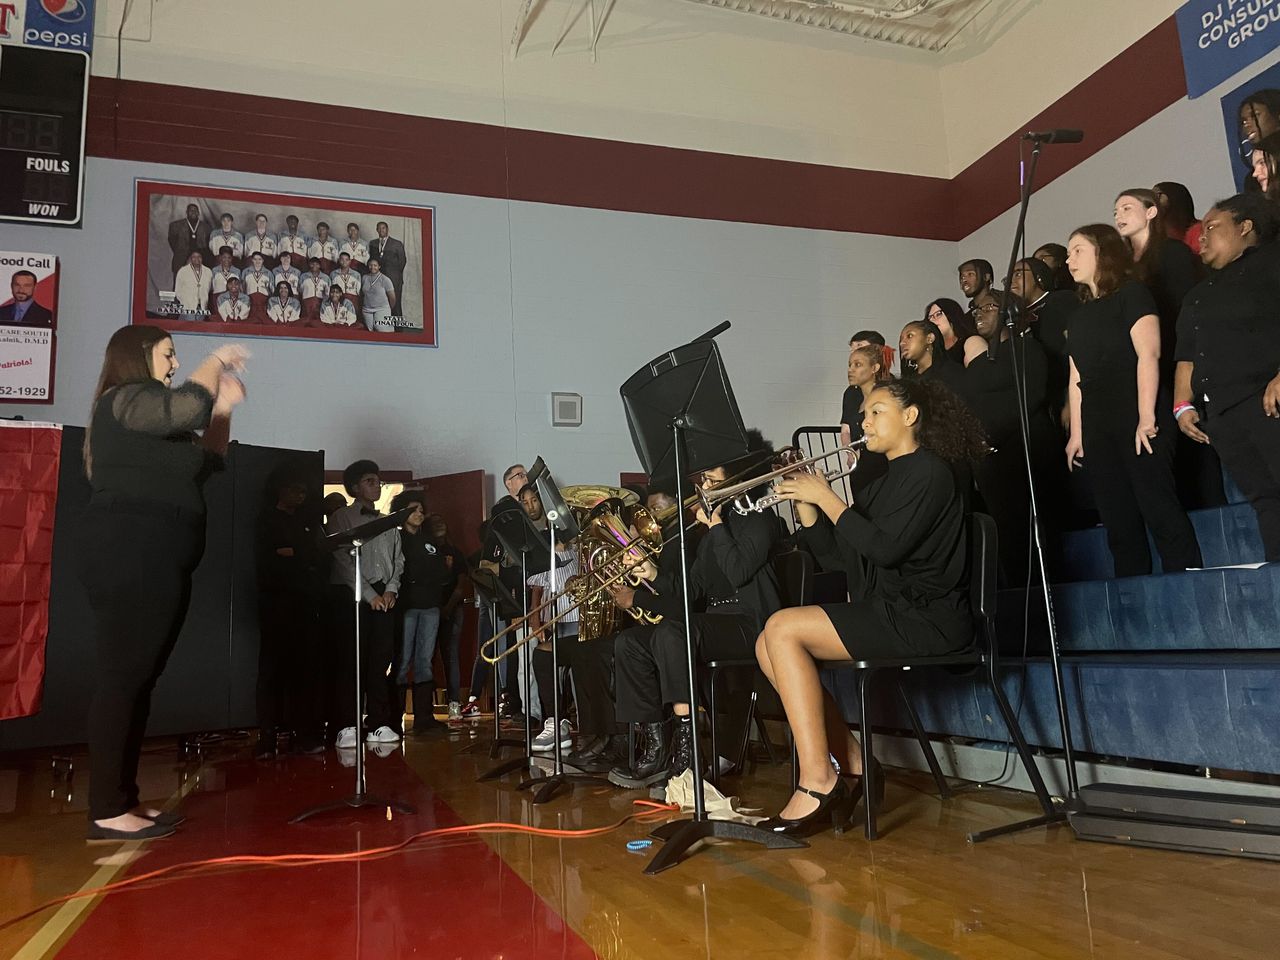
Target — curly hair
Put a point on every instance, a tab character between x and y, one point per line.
946	425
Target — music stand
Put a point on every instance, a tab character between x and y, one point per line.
561	524
518	537
500	600
356	538
683	418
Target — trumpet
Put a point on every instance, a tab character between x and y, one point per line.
789	462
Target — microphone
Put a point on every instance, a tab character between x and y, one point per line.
1055	136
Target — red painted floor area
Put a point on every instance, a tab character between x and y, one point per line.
456	899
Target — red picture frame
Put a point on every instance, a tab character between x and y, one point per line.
159	220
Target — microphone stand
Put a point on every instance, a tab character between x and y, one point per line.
1050	815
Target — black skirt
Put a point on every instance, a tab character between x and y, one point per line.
872	629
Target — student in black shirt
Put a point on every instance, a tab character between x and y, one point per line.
904	548
955	324
988	387
143	535
1121	428
1169	270
423	581
1054	256
1047	311
290	598
1229	354
452	610
851	402
733	576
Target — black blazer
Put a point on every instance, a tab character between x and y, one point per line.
182	244
37	315
392	259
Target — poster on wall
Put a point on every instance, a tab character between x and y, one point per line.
1220	38
1251	117
213	260
28	325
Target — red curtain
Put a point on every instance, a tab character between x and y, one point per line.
29	455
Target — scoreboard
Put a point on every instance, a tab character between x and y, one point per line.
43	104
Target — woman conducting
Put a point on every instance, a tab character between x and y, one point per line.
904	548
143	536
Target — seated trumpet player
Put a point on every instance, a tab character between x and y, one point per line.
903	547
732	575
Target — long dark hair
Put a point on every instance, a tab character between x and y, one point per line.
1115	259
962	324
1270	147
937	348
127	360
1147	267
1180	210
946	425
1061	275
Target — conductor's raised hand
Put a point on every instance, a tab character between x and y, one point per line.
232	356
231	393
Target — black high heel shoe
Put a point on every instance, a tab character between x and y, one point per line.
835	807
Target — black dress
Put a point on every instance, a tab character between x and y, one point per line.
904	549
142	536
1128	489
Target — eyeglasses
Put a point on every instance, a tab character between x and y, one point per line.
988	308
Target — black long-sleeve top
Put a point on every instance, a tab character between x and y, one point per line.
905	543
988	388
301	573
144	446
1230	329
732	561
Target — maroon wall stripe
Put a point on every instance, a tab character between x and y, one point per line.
160	123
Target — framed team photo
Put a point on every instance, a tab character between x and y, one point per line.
213	260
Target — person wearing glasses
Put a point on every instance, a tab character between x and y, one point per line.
989	388
953	323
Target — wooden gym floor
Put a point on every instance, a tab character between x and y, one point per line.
919	893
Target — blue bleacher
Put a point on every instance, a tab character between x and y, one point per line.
1179	668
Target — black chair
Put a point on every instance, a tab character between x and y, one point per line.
985	653
794	570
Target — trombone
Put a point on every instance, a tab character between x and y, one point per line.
643	541
789	462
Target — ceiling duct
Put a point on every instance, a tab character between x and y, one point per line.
923	24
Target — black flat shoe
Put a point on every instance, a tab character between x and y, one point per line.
834	809
99	834
166	818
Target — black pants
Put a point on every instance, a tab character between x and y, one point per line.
1249	443
289	679
1198	473
652	666
136	569
593	685
542	671
1136	492
377	649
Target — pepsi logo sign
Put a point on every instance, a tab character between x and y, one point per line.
68	11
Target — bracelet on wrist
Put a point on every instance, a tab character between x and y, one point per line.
1180	408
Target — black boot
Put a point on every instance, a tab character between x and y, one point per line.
424	716
681	748
651	764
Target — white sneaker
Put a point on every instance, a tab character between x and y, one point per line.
455	710
546	740
346	737
383	735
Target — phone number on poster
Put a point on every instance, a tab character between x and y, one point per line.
36	393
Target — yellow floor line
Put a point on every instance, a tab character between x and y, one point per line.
44	939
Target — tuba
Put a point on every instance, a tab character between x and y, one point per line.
604	547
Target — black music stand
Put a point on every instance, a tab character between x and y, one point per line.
562	525
493	592
356	538
518	537
684	418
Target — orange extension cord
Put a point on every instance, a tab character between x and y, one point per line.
303	859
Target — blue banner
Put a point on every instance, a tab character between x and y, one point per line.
62	24
1221	37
